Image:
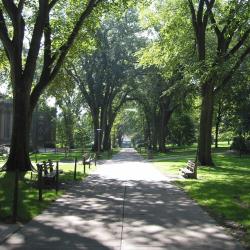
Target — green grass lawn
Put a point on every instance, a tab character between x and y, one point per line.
223	190
28	205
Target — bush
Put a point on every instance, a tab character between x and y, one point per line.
248	144
49	145
239	144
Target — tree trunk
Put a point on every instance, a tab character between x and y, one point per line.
164	118
114	139
154	142
19	149
147	134
162	138
216	134
205	135
217	125
95	117
119	139
154	133
106	138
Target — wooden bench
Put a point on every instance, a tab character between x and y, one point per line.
88	158
189	171
48	171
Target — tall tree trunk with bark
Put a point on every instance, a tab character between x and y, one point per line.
227	34
96	126
155	132
206	119
148	134
23	69
200	20
106	144
19	151
164	117
217	123
162	135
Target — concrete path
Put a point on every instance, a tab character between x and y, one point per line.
125	205
6	230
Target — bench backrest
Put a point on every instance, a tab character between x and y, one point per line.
89	156
191	166
46	166
86	155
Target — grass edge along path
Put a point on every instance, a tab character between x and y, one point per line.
28	204
223	190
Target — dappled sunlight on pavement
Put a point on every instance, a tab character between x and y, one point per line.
126	204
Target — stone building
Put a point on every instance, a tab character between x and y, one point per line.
43	131
5	121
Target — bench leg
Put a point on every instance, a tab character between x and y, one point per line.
84	168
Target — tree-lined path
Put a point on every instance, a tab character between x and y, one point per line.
126	204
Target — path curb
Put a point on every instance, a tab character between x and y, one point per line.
7	230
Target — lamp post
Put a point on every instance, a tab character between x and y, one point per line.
99	141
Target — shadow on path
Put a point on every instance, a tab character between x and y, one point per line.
123	213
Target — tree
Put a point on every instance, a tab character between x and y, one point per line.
182	129
236	116
220	32
231	30
37	32
106	75
159	97
128	123
168	52
69	101
218	120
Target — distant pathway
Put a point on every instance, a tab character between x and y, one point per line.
125	205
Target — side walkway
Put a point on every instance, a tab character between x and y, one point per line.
125	205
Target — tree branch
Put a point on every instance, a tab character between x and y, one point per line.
52	4
15	14
4	36
229	75
122	101
11	9
80	83
238	45
30	65
212	18
47	44
63	51
20	6
200	11
210	6
193	14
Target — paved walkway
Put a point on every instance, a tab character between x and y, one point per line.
125	205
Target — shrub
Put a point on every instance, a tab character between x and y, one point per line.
239	144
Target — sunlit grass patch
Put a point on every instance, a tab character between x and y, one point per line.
28	204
